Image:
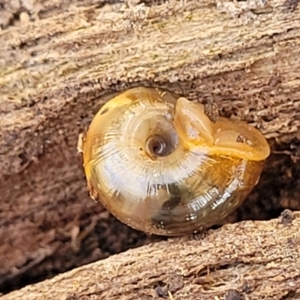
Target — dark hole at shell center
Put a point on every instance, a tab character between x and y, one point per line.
159	146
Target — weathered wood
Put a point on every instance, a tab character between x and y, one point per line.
229	261
58	67
57	71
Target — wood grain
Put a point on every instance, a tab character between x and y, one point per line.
226	262
65	59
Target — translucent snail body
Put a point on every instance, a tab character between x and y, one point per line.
160	165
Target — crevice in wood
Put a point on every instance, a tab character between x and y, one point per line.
61	65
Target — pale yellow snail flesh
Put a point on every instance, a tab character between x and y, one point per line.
160	165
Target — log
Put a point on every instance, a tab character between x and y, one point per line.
229	263
59	64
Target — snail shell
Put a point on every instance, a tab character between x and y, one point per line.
160	165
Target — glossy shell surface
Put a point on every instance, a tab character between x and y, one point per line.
160	165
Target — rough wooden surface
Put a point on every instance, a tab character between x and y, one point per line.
63	59
60	66
226	262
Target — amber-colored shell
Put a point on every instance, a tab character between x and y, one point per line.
160	165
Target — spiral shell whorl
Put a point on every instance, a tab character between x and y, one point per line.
156	164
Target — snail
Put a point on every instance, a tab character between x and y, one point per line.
159	164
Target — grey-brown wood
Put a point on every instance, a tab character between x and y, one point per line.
62	60
228	262
58	67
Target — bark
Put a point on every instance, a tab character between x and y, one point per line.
229	263
63	59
